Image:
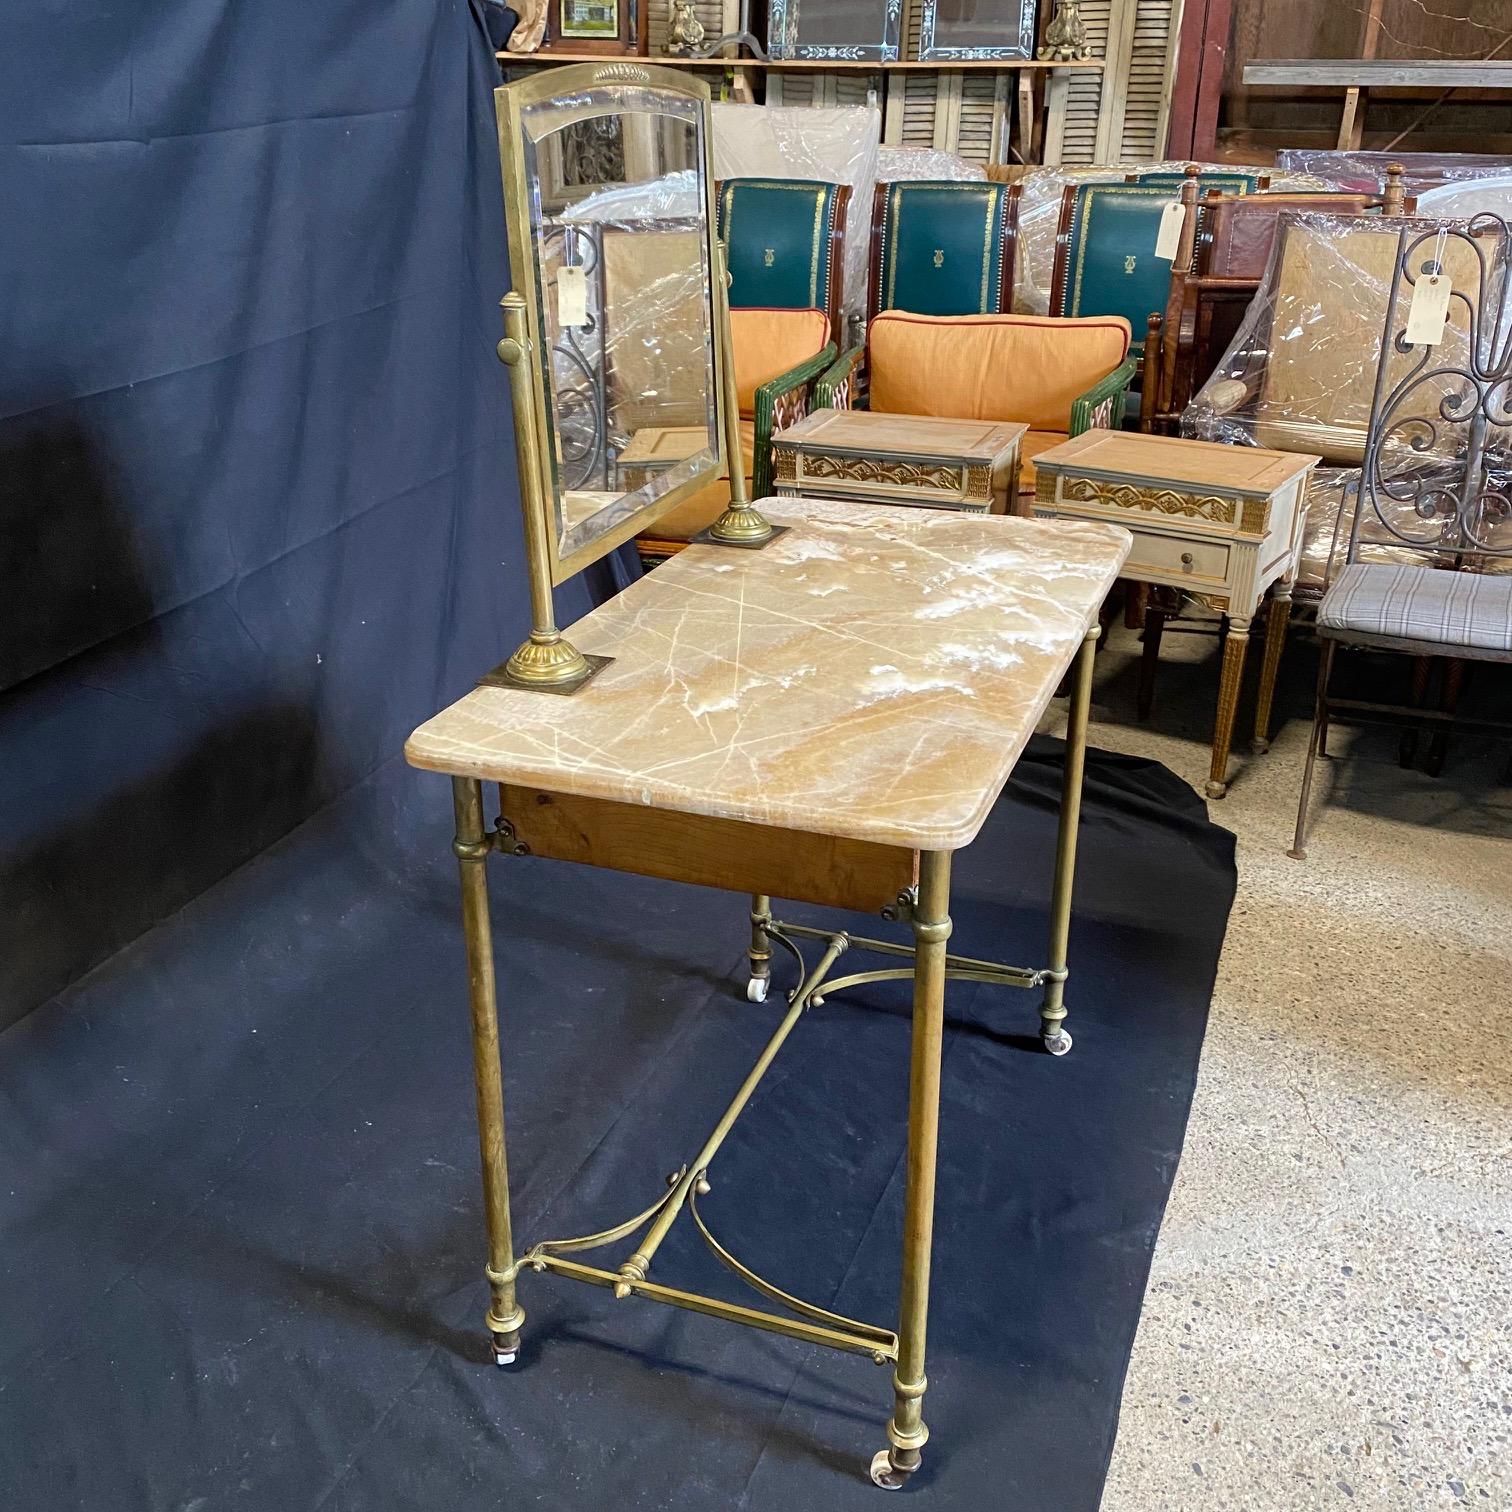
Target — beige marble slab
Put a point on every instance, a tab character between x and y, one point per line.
874	673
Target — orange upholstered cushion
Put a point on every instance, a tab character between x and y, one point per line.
768	343
991	367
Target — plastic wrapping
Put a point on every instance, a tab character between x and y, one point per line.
1039	215
835	145
1365	172
1300	374
924	163
1467	197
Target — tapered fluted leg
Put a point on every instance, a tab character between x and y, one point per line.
1277	618
906	1432
1235	645
1053	1008
472	847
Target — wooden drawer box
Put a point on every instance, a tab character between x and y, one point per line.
969	465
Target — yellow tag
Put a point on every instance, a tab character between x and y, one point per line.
572	297
1168	238
1428	313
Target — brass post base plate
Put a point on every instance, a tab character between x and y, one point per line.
502	677
706	537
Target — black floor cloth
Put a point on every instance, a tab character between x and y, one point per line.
242	1236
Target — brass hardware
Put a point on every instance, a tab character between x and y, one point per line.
1186	558
547	661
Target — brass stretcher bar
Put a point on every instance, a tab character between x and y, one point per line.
609	804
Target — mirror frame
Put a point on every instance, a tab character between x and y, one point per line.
1021	50
510	100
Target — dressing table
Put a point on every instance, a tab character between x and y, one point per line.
820	702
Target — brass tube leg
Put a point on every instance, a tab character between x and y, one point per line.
906	1432
1235	645
1275	641
1053	1008
761	949
472	847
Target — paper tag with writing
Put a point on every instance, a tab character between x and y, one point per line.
1429	311
1168	238
572	296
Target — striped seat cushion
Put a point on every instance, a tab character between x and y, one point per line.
1465	610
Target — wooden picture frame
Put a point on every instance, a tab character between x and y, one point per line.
570	28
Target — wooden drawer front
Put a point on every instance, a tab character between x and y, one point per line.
1174	559
886	480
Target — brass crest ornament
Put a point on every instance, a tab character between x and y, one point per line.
1129	263
685	32
1066	35
939	257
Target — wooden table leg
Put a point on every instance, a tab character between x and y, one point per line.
906	1432
1149	656
472	848
1275	642
1234	648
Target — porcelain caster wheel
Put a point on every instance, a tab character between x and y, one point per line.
756	989
1058	1043
885	1474
505	1350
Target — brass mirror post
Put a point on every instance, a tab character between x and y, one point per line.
742	524
547	661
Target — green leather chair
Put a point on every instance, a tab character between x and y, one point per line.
785	241
1105	262
1226	183
941	247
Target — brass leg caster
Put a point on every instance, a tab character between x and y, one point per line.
756	989
1259	747
886	1474
505	1349
1058	1043
1216	789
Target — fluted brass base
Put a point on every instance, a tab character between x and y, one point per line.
546	665
740	525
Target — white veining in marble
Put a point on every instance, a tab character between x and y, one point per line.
873	673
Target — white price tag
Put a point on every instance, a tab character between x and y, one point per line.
572	296
1168	238
1428	313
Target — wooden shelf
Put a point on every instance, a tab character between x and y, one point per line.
999	65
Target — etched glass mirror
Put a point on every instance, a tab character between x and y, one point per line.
616	329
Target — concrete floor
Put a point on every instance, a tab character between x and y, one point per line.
1329	1315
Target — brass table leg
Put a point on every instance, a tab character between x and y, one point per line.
472	847
1234	648
906	1432
1275	641
760	952
1053	1009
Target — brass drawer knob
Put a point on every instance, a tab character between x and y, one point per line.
1186	560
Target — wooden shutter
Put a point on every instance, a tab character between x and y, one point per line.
956	110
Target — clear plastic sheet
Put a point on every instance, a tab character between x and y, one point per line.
924	163
1039	215
1300	374
1467	197
835	145
1365	172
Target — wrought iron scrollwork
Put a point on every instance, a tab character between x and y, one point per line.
1440	442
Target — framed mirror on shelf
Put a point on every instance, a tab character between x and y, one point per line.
987	30
840	31
616	326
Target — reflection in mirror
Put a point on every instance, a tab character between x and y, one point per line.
623	287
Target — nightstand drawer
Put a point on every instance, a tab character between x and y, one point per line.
1176	558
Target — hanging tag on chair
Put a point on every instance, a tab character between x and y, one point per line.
1428	313
572	296
1168	238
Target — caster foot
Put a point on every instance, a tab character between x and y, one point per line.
886	1474
1058	1043
756	989
1215	789
1260	747
505	1349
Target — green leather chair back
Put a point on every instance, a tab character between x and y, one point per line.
1229	183
784	243
1106	263
943	248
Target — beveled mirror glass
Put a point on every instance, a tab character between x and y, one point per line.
609	197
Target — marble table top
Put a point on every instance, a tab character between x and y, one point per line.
873	673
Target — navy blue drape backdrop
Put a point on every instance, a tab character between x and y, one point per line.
257	487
